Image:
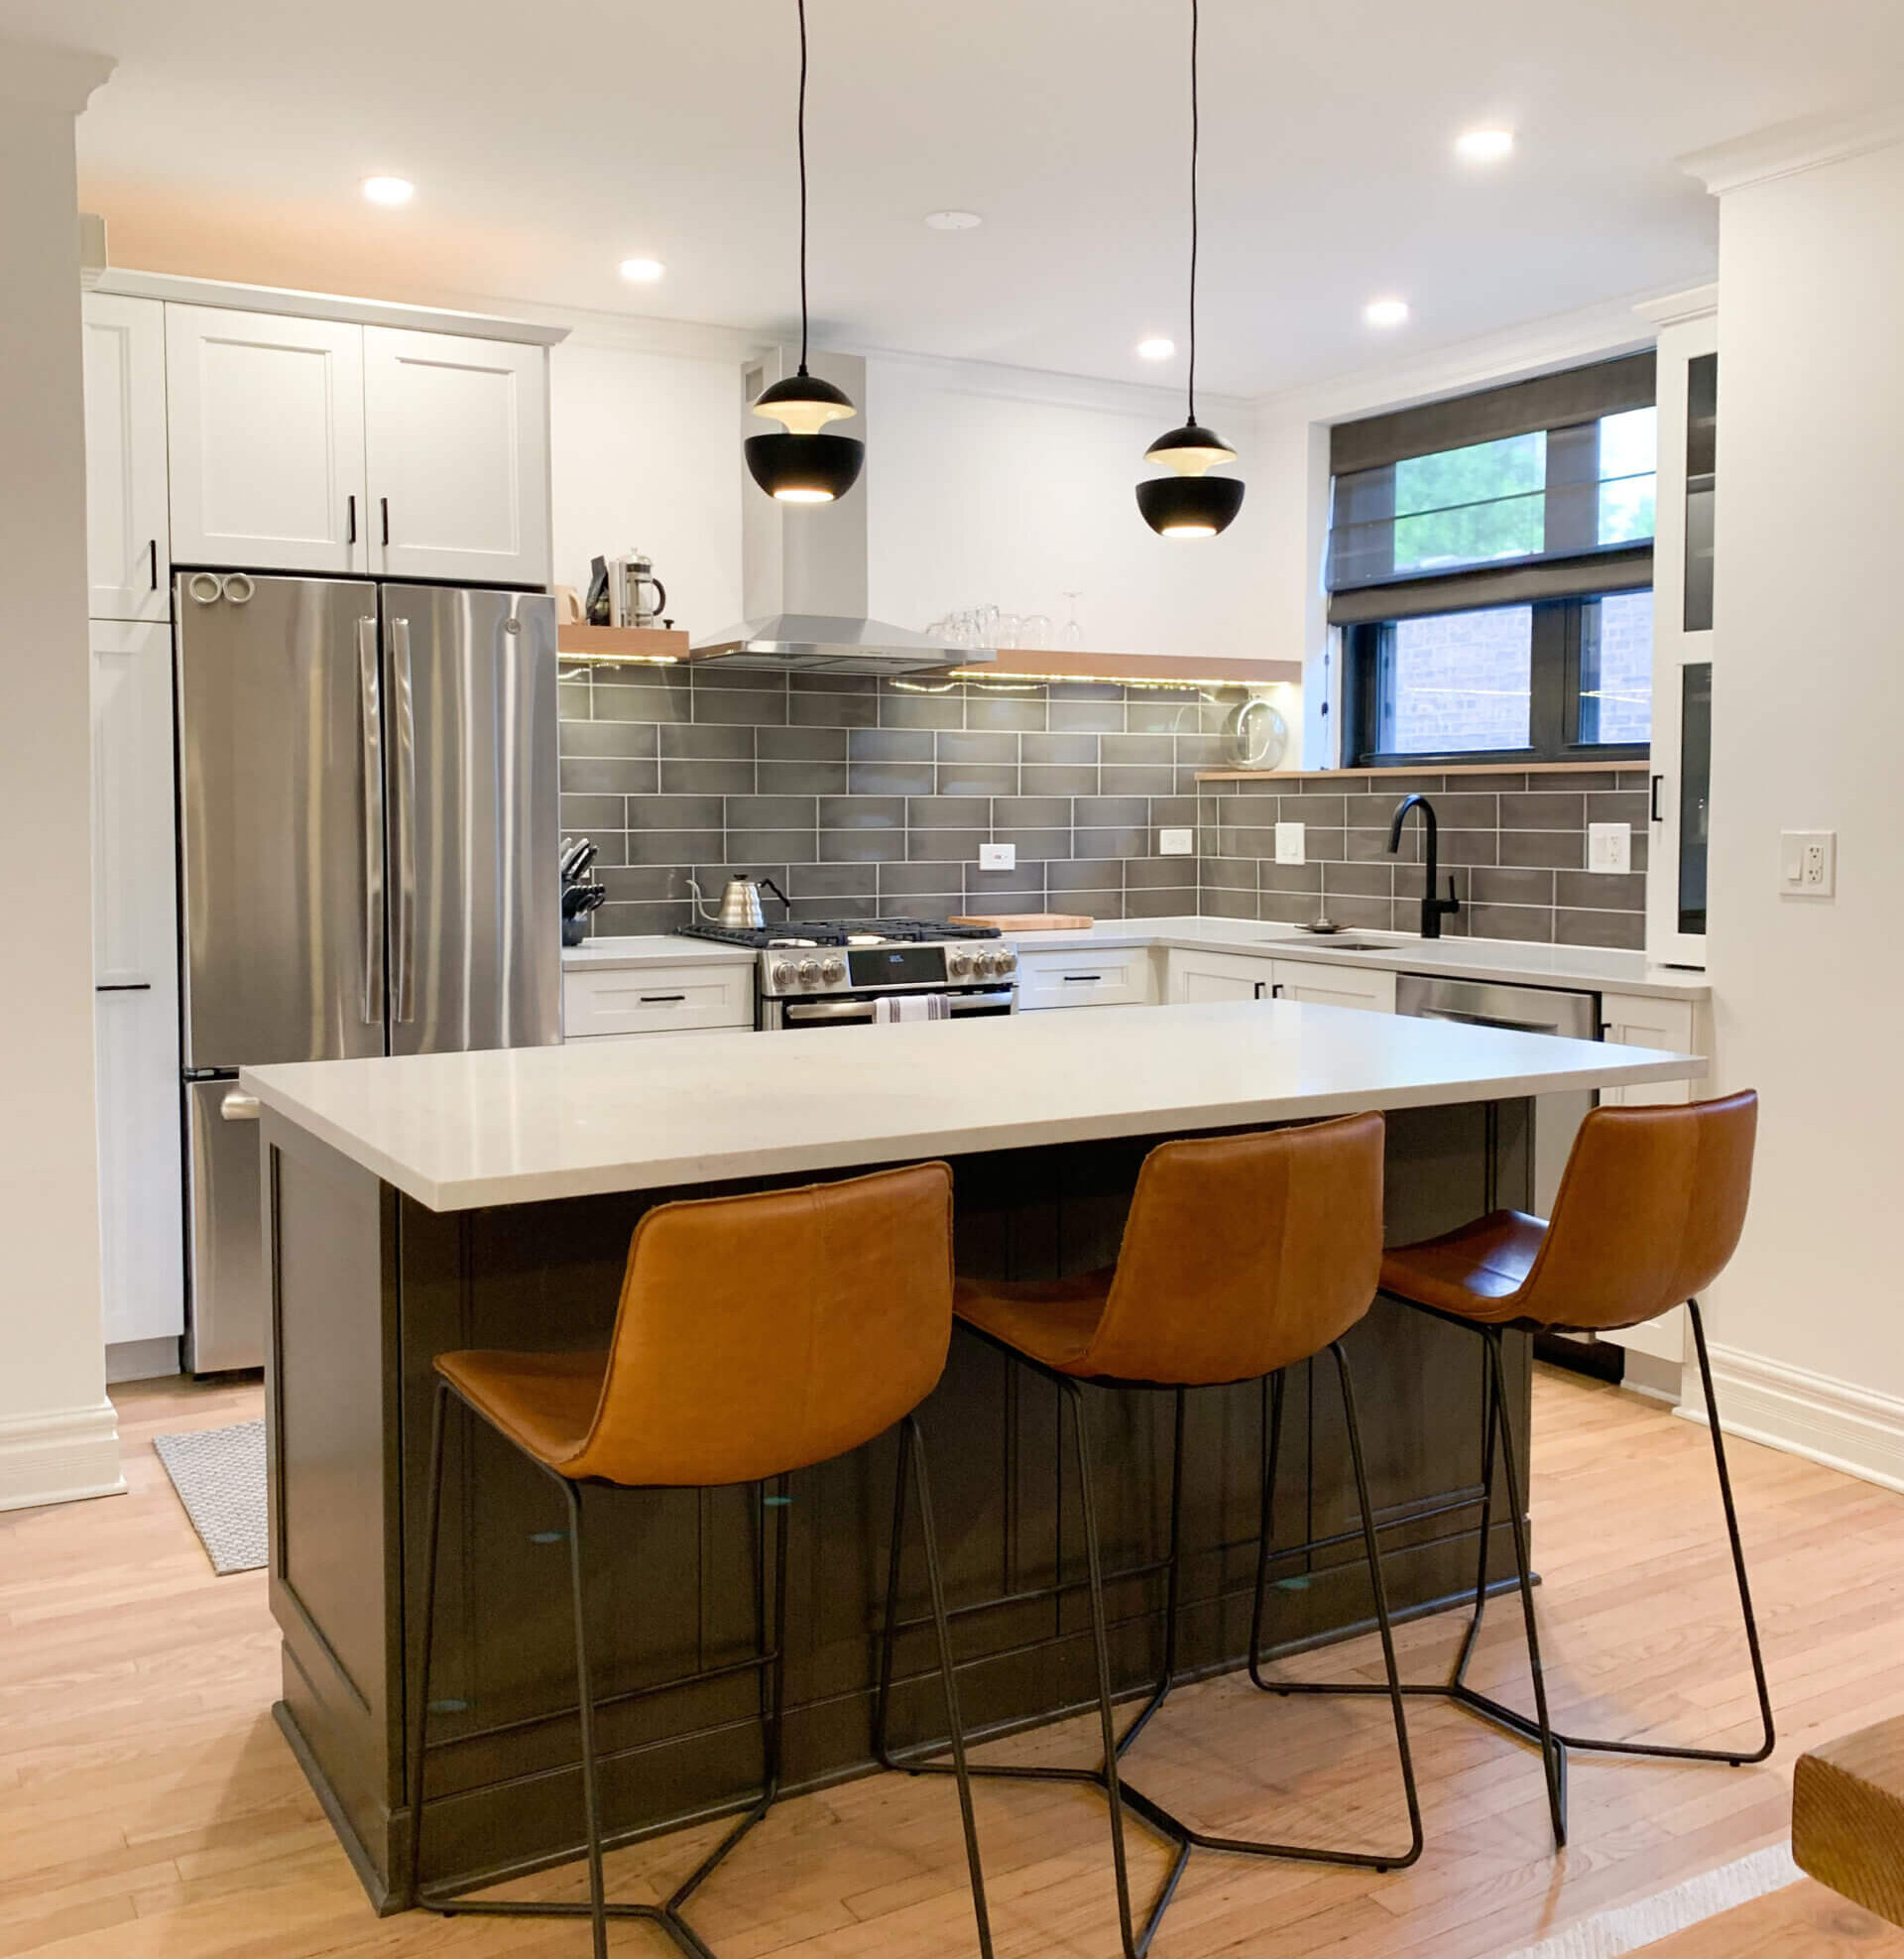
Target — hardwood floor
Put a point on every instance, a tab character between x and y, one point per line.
149	1810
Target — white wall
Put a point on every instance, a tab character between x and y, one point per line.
985	483
58	1436
1809	668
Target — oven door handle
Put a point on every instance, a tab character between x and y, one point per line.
863	1010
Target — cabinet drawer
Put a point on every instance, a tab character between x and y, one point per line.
1635	1020
656	1000
1114	978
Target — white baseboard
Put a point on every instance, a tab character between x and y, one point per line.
1815	1416
59	1457
141	1360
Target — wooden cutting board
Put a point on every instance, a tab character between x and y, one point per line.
1031	922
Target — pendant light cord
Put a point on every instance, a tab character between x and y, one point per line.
803	145
1195	133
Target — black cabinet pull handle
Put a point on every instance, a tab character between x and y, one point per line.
1275	992
1261	984
1085	979
383	502
662	999
1657	780
125	986
350	504
152	548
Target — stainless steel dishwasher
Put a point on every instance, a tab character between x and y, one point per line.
1527	1010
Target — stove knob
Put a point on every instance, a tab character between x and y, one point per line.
959	964
782	974
809	972
1007	960
832	971
991	963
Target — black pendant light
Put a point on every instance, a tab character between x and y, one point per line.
1190	502
803	464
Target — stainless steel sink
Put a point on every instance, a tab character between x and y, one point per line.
1333	942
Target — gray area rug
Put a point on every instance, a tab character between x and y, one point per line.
1632	1928
219	1474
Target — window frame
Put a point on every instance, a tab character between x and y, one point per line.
1553	709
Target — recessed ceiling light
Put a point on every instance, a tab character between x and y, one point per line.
1386	312
643	271
1484	146
389	189
953	220
1156	349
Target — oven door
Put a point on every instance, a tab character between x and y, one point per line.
859	1009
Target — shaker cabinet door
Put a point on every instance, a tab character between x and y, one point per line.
456	435
128	527
135	938
266	425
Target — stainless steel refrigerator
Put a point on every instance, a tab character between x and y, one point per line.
368	863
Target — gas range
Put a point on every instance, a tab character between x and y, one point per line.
834	972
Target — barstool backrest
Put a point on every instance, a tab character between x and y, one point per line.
1243	1254
1649	1212
761	1333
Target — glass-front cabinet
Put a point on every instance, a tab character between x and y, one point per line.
1683	638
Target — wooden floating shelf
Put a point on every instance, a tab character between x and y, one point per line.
1035	664
1427	768
643	643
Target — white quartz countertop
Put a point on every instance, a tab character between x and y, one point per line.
1589	968
520	1125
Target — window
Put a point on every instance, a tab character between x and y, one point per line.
1491	567
1556	680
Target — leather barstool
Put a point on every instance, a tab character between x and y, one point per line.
1241	1256
756	1336
1649	1213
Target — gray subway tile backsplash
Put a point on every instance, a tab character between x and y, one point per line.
863	797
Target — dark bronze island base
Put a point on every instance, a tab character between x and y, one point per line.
368	1287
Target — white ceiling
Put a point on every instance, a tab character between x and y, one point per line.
549	142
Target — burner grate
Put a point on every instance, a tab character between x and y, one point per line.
836	931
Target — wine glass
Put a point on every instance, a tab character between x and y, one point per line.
1073	632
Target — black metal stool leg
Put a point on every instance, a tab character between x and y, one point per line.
1173	1587
1460	1673
1265	1533
591	1791
419	1711
909	1434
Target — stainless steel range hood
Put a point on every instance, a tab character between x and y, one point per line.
803	574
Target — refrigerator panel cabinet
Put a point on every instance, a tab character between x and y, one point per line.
456	443
128	524
266	415
281	819
471	761
134	942
227	1327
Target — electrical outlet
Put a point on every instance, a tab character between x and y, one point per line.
997	856
1289	844
1808	863
1609	846
1176	843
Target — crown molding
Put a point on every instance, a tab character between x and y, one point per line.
1787	148
49	77
1700	303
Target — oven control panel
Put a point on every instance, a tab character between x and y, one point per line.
884	968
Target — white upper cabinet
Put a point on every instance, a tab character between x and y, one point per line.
266	426
135	958
456	443
128	546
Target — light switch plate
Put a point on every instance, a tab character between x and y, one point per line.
1609	846
1289	844
1176	843
997	856
1808	863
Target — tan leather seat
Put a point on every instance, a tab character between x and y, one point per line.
1649	1212
1242	1254
756	1335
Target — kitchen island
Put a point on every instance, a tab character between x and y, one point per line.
429	1202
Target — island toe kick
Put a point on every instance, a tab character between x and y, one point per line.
368	1286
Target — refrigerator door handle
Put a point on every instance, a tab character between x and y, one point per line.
404	978
371	723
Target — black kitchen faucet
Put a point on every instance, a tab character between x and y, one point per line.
1433	908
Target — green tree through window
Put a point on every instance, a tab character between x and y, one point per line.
1467	506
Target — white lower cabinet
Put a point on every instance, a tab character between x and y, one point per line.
1199	976
1636	1020
632	1001
1118	976
134	956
